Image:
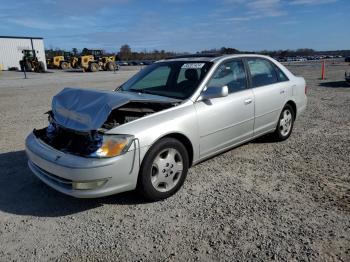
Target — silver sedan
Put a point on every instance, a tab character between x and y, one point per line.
148	132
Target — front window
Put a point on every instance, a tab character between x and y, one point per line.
176	79
230	74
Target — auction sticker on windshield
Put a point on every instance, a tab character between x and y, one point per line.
193	65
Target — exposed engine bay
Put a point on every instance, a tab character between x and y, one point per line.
133	111
84	143
69	141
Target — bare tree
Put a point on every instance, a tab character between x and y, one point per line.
125	52
74	51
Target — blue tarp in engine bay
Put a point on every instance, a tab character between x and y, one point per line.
86	109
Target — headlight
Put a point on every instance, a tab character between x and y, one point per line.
113	145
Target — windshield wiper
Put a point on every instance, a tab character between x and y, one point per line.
149	92
143	91
135	90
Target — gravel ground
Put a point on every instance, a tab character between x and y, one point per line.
261	201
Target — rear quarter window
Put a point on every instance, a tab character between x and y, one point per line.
281	76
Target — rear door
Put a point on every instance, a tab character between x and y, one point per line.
270	91
226	121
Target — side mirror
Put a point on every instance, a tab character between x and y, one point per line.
213	92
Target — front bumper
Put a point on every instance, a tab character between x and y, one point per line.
63	171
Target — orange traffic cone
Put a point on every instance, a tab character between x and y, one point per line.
323	74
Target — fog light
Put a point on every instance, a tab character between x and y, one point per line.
84	185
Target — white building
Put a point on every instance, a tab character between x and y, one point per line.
11	50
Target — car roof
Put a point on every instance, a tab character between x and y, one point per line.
209	58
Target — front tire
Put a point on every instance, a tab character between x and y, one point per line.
110	66
93	67
40	67
163	170
285	123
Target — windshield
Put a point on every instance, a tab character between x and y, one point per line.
176	79
28	53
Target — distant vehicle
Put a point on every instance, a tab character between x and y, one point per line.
347	59
295	59
132	63
170	116
122	63
147	62
281	59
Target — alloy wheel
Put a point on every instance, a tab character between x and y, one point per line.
167	169
285	123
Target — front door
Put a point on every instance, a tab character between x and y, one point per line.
229	120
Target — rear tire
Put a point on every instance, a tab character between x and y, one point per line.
64	66
285	124
163	170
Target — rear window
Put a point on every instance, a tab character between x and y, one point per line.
262	72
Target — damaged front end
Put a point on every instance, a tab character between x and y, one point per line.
80	118
87	144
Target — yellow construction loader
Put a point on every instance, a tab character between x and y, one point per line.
93	60
60	60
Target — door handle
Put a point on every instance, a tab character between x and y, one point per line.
282	92
248	101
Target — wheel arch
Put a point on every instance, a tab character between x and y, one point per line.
294	107
184	140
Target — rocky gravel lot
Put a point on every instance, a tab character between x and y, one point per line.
262	201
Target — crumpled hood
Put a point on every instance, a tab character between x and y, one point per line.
86	109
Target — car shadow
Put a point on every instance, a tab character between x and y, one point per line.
265	139
22	193
335	84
